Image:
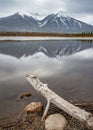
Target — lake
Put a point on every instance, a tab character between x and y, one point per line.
66	65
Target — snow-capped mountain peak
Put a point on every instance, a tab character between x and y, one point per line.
36	16
24	13
61	14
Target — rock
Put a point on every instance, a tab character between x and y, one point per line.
23	95
33	107
55	122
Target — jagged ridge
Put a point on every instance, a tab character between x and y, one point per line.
29	22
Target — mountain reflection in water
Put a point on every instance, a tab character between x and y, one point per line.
67	66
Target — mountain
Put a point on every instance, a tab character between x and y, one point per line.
55	23
18	22
61	23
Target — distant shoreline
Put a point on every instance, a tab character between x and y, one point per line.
41	34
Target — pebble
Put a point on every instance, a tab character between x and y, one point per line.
33	107
55	122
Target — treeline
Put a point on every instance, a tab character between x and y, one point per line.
83	34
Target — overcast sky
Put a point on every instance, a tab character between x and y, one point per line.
79	9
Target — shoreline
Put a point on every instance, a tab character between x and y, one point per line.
39	38
32	121
21	120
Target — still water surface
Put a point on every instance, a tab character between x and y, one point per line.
67	67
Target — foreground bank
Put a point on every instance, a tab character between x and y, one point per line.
32	121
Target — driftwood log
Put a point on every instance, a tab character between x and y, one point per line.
80	114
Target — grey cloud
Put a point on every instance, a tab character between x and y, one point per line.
6	2
79	6
32	5
7	7
75	6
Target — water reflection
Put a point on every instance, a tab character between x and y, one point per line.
49	48
87	41
68	75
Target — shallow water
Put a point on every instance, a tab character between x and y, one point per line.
67	67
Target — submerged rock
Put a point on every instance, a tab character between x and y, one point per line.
55	122
33	107
23	95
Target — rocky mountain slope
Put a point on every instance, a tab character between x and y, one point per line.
55	23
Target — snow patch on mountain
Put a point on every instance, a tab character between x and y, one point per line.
61	14
77	22
24	13
34	15
42	24
38	16
63	22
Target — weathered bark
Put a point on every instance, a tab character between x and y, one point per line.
76	112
